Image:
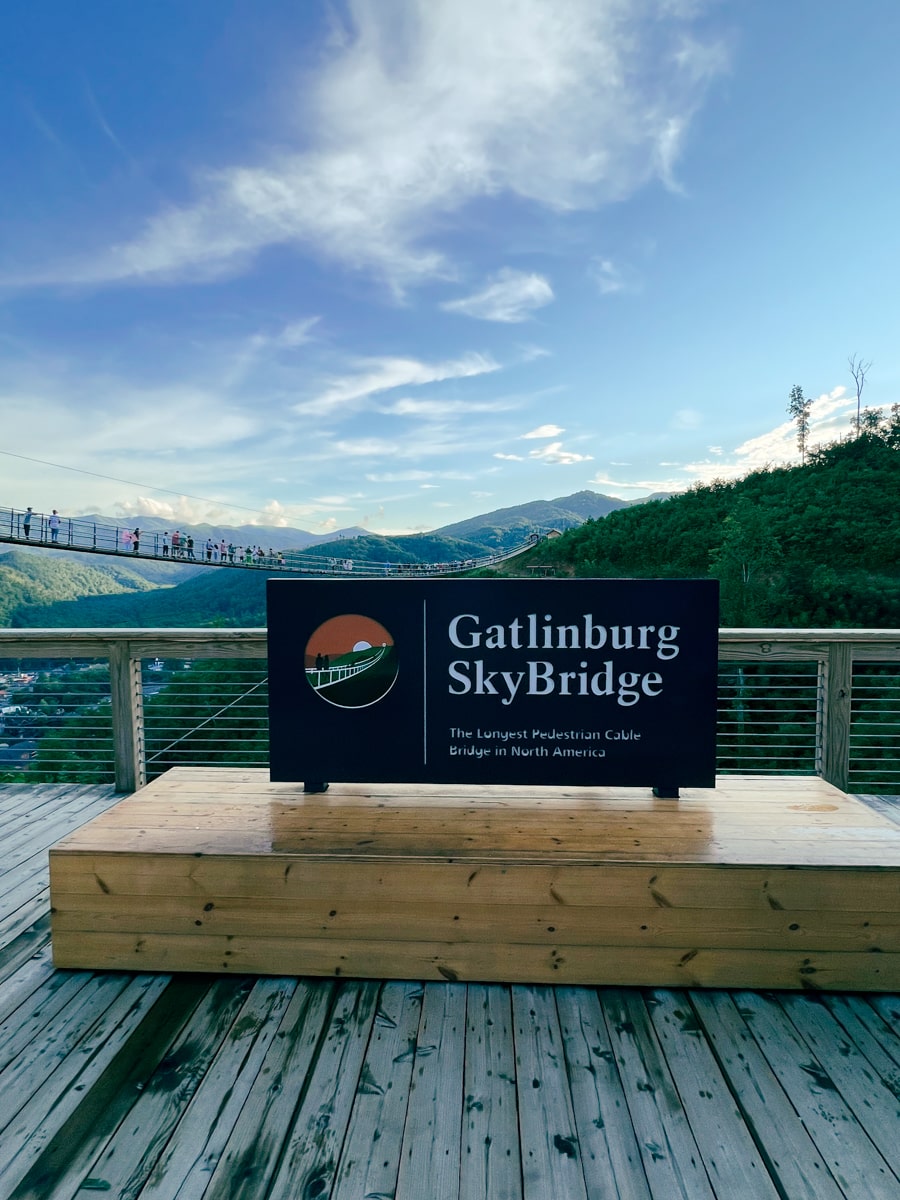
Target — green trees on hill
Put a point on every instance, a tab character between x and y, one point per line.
814	545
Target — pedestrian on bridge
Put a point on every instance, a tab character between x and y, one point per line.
26	522
54	524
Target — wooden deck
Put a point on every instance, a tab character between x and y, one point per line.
231	1087
761	882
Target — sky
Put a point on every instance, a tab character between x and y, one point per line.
395	263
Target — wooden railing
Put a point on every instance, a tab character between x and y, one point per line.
835	653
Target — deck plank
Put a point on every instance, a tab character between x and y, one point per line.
732	1161
877	1040
309	1161
108	1095
871	1097
18	985
370	1159
551	1151
789	1152
431	1139
672	1159
102	1031
193	1152
610	1156
852	1158
134	1148
246	1167
491	1151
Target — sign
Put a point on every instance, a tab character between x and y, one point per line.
578	682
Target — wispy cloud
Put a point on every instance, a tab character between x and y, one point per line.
544	431
295	333
687	418
611	277
510	297
421	108
556	456
430	410
384	374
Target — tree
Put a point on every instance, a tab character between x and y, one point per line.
798	407
858	370
745	562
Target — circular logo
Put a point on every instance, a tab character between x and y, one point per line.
351	661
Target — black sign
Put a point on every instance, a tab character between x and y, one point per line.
494	681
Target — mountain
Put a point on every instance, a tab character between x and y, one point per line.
46	578
282	537
506	527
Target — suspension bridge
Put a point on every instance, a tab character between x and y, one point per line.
20	527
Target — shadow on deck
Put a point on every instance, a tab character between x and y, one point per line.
151	1085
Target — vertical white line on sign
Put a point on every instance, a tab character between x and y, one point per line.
424	681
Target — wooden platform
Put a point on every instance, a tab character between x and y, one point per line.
762	883
231	1087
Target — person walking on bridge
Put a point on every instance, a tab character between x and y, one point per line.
54	524
26	522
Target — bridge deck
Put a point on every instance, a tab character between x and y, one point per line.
226	1088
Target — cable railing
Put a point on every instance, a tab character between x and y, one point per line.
92	537
124	705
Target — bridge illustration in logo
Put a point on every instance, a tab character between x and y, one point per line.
351	661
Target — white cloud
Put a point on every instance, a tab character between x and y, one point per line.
509	457
510	297
637	485
554	454
544	431
420	108
367	447
606	276
383	374
401	477
438	409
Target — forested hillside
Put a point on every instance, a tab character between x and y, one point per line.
213	597
45	579
812	545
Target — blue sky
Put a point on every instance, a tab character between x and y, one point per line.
397	262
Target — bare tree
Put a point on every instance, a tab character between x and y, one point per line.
858	369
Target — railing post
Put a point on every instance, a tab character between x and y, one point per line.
127	704
834	723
